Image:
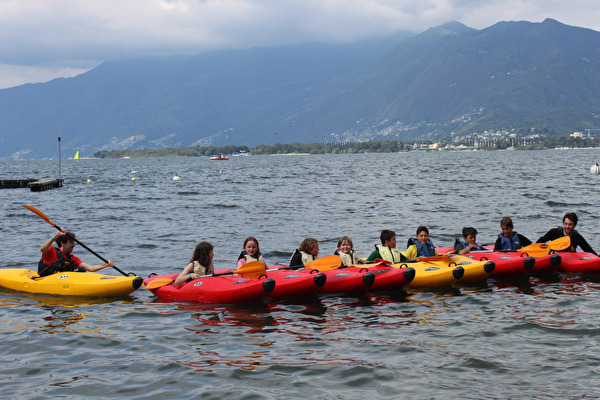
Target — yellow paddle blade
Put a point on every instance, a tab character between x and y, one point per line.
31	274
158	282
251	270
325	263
560	243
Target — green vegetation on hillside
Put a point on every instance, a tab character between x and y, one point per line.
388	146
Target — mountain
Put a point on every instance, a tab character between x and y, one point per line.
448	80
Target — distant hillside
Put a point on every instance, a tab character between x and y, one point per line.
448	80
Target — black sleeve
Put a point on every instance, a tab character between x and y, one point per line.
581	242
458	246
524	241
550	235
498	245
296	260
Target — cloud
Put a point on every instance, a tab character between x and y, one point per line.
74	35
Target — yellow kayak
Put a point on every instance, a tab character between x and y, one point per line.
69	283
445	271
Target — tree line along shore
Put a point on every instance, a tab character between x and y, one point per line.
388	146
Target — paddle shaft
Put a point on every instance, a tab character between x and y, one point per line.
45	218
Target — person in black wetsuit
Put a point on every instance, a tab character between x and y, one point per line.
568	229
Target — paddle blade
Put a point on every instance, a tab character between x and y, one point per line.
535	248
560	243
251	270
325	263
31	274
39	213
158	282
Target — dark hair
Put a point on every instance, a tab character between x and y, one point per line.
308	244
572	216
422	228
70	236
345	239
251	239
468	230
386	235
202	254
507	222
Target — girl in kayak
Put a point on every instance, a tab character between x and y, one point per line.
469	241
307	252
508	239
421	246
345	249
200	264
251	252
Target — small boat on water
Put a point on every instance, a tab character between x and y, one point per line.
219	157
90	284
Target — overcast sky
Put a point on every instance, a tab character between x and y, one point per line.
44	39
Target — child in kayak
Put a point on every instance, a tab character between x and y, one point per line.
307	252
421	246
200	264
387	250
468	242
251	252
508	239
345	249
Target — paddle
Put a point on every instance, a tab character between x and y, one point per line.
43	216
542	249
320	264
251	270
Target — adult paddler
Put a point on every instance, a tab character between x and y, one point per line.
60	259
568	229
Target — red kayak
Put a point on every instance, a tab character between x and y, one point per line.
587	263
510	264
215	289
387	278
295	283
348	280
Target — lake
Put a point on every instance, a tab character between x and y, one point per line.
531	338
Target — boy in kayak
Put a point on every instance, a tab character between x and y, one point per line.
568	229
60	259
387	250
508	239
421	246
468	242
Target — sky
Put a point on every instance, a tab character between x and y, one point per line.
44	39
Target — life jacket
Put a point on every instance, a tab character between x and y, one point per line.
512	243
62	264
424	249
305	257
249	258
347	258
389	254
466	245
200	269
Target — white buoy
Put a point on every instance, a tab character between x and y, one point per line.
176	178
220	171
133	172
595	169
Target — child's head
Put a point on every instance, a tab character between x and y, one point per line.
388	238
422	234
251	247
345	244
310	246
507	226
469	234
203	253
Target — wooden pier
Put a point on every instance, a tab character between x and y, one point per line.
34	184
